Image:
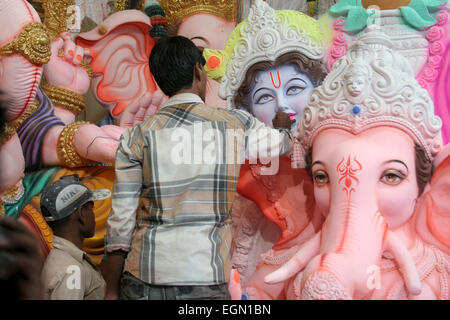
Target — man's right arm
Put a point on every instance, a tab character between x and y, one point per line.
125	201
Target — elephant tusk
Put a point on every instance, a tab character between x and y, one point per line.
406	263
297	263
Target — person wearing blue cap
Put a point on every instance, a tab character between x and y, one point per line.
68	273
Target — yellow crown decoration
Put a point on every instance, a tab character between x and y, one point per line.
176	10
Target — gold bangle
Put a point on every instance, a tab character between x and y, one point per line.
66	148
11	127
88	68
63	98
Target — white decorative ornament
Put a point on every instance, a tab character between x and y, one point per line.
372	86
265	37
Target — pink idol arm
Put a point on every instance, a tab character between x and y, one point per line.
406	263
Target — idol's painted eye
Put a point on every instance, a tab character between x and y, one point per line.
264	99
294	90
393	177
320	178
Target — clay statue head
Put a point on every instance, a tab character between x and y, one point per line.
387	98
282	85
370	150
363	105
271	62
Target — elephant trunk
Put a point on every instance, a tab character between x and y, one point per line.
353	239
352	243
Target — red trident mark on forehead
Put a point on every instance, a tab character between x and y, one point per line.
347	171
279	80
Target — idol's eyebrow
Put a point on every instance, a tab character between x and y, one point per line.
317	162
200	38
263	88
397	161
293	79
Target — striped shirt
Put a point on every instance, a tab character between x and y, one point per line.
176	177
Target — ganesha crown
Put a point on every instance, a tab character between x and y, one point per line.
372	86
264	36
176	10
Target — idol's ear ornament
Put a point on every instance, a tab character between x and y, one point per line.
216	63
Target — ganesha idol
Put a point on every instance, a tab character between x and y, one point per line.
381	181
272	61
29	50
418	29
43	76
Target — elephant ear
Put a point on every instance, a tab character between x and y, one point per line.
120	49
433	208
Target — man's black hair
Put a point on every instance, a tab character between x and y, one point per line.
172	63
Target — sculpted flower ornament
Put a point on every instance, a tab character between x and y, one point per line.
416	14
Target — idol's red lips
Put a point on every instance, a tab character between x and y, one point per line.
292	115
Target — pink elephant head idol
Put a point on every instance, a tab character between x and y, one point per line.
370	141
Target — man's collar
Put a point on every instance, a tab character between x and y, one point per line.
71	249
68	247
183	98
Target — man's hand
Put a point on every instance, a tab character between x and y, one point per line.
112	272
282	121
20	262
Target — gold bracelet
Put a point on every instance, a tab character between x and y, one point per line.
11	127
63	98
66	148
88	68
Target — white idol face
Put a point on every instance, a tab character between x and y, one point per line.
283	88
